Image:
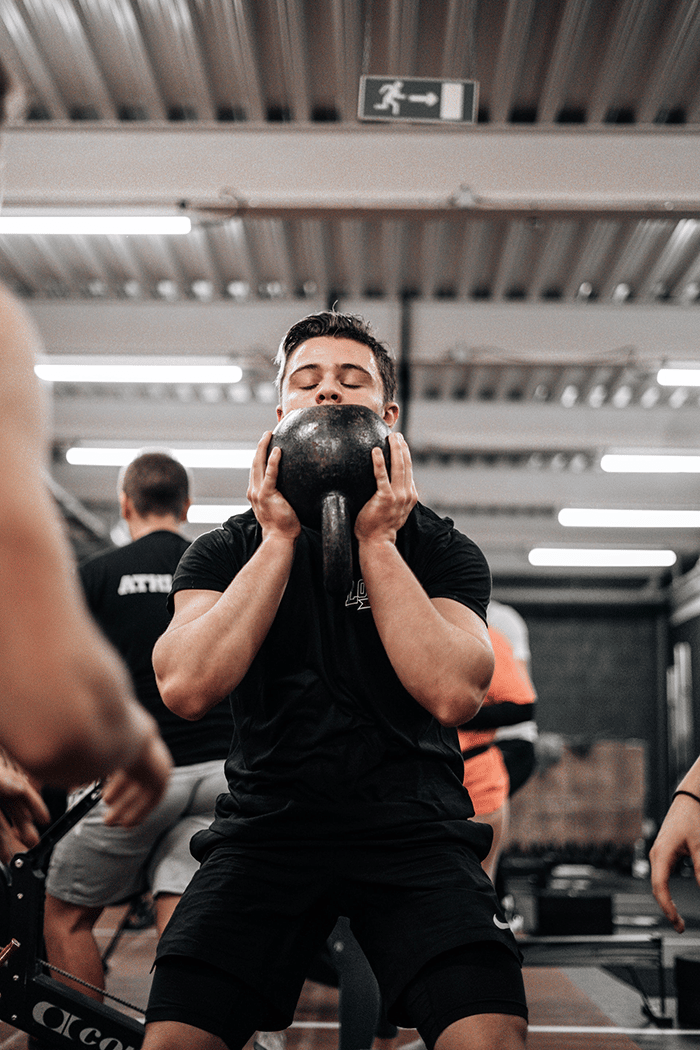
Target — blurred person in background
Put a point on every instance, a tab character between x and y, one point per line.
509	701
94	866
517	741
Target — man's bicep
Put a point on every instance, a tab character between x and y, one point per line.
190	604
461	616
477	643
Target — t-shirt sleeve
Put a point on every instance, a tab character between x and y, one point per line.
209	563
454	567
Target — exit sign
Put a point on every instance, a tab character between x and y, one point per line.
418	98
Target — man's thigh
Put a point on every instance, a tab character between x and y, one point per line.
484	1032
190	997
171	1035
171	864
475	987
95	865
258	914
412	906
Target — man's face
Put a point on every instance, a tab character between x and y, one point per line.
331	371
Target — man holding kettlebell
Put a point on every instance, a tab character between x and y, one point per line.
345	777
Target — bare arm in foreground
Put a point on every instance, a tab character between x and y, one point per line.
69	715
679	836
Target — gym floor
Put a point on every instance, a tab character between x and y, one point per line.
571	1007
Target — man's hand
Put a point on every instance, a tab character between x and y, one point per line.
386	512
21	809
679	836
130	794
271	509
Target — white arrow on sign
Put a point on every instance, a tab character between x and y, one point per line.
431	99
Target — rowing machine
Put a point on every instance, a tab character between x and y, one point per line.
48	1010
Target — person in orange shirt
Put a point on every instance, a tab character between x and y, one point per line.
510	700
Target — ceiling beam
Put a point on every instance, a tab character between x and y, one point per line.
523	489
458	427
497	333
554	333
151	327
112	420
479	427
307	166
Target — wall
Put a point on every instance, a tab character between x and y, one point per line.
599	671
592	798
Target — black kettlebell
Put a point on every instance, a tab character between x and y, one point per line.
327	475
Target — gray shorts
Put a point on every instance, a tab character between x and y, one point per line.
95	865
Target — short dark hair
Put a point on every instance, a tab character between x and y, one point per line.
339	326
156	484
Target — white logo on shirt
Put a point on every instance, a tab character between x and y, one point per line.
501	925
145	582
358	596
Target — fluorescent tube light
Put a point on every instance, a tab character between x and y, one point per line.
650	464
678	377
213	458
630	559
133	373
95	224
581	517
214	513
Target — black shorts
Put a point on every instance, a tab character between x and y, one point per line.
261	914
465	981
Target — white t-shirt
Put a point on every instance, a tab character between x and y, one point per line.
511	624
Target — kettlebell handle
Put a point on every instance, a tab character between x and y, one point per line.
336	539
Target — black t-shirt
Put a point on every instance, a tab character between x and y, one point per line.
327	741
126	591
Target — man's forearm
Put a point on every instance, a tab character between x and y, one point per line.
691	781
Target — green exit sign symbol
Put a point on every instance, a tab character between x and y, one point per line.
418	99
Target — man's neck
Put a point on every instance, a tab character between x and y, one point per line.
140	527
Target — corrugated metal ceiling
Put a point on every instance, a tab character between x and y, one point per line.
544	62
550	64
616	67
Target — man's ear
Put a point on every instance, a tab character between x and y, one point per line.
391	413
280	413
126	507
186	507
